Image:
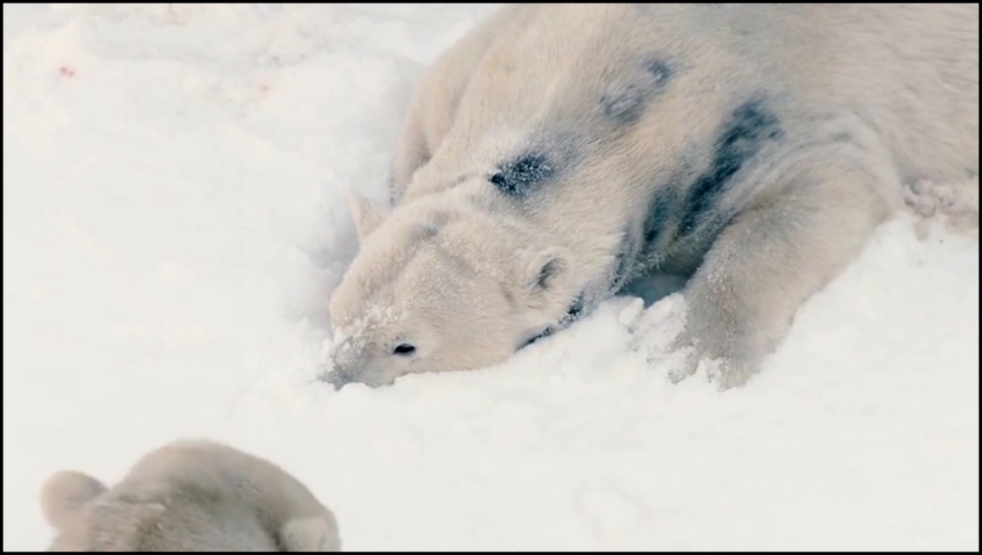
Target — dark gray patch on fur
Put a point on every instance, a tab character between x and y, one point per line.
522	176
575	309
742	136
624	262
659	215
535	337
624	100
660	228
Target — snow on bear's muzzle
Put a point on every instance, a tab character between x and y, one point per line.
349	365
339	376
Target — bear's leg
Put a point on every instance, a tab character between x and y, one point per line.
769	260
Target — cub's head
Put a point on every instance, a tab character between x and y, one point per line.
438	285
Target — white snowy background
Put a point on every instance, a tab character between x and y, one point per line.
173	226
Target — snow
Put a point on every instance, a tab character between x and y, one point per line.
173	225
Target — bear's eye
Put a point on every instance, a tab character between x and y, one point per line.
404	349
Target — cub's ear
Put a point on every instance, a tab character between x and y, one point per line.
544	268
65	493
316	533
367	214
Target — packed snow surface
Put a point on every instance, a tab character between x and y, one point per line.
173	226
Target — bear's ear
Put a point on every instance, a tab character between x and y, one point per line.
544	268
367	214
65	493
316	533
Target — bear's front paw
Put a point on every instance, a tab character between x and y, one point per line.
684	363
728	373
725	370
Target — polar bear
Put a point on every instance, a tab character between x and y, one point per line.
189	496
558	152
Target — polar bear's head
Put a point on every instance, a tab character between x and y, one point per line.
439	286
188	496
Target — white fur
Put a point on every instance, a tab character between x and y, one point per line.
630	104
189	496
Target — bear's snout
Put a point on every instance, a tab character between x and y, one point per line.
338	379
345	370
344	365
